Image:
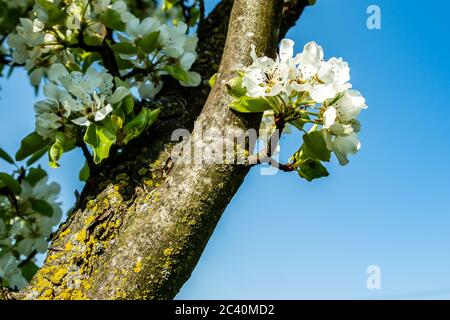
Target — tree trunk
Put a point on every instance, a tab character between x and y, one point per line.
143	220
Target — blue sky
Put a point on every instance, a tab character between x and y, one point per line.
389	207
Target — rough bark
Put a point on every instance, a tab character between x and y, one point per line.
144	221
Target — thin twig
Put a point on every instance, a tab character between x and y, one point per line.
89	159
109	60
202	12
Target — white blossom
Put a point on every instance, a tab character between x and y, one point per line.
266	77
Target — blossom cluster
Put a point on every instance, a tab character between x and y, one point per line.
70	31
75	98
77	46
29	211
79	101
305	89
155	50
308	80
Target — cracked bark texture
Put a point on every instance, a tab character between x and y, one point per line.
143	221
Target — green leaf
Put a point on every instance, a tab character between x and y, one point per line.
10	183
84	173
29	269
89	60
119	94
35	175
5	156
235	88
100	139
123	63
315	146
54	13
112	20
149	42
178	73
42	207
124	48
37	156
117	123
128	104
212	80
139	124
247	105
30	145
56	150
120	83
311	169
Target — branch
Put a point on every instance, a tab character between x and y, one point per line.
202	12
292	11
5	293
89	159
265	156
104	50
11	198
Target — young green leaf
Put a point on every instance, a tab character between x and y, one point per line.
128	104
247	105
139	124
84	173
42	207
56	150
29	269
100	139
124	48
315	146
177	72
235	88
311	169
149	42
35	157
112	20
120	83
212	80
119	94
12	184
5	156
35	175
31	144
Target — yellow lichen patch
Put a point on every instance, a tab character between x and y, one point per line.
69	246
138	267
90	204
81	236
142	171
148	182
87	286
68	294
47	295
64	233
54	256
120	294
118	223
57	277
168	251
89	220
